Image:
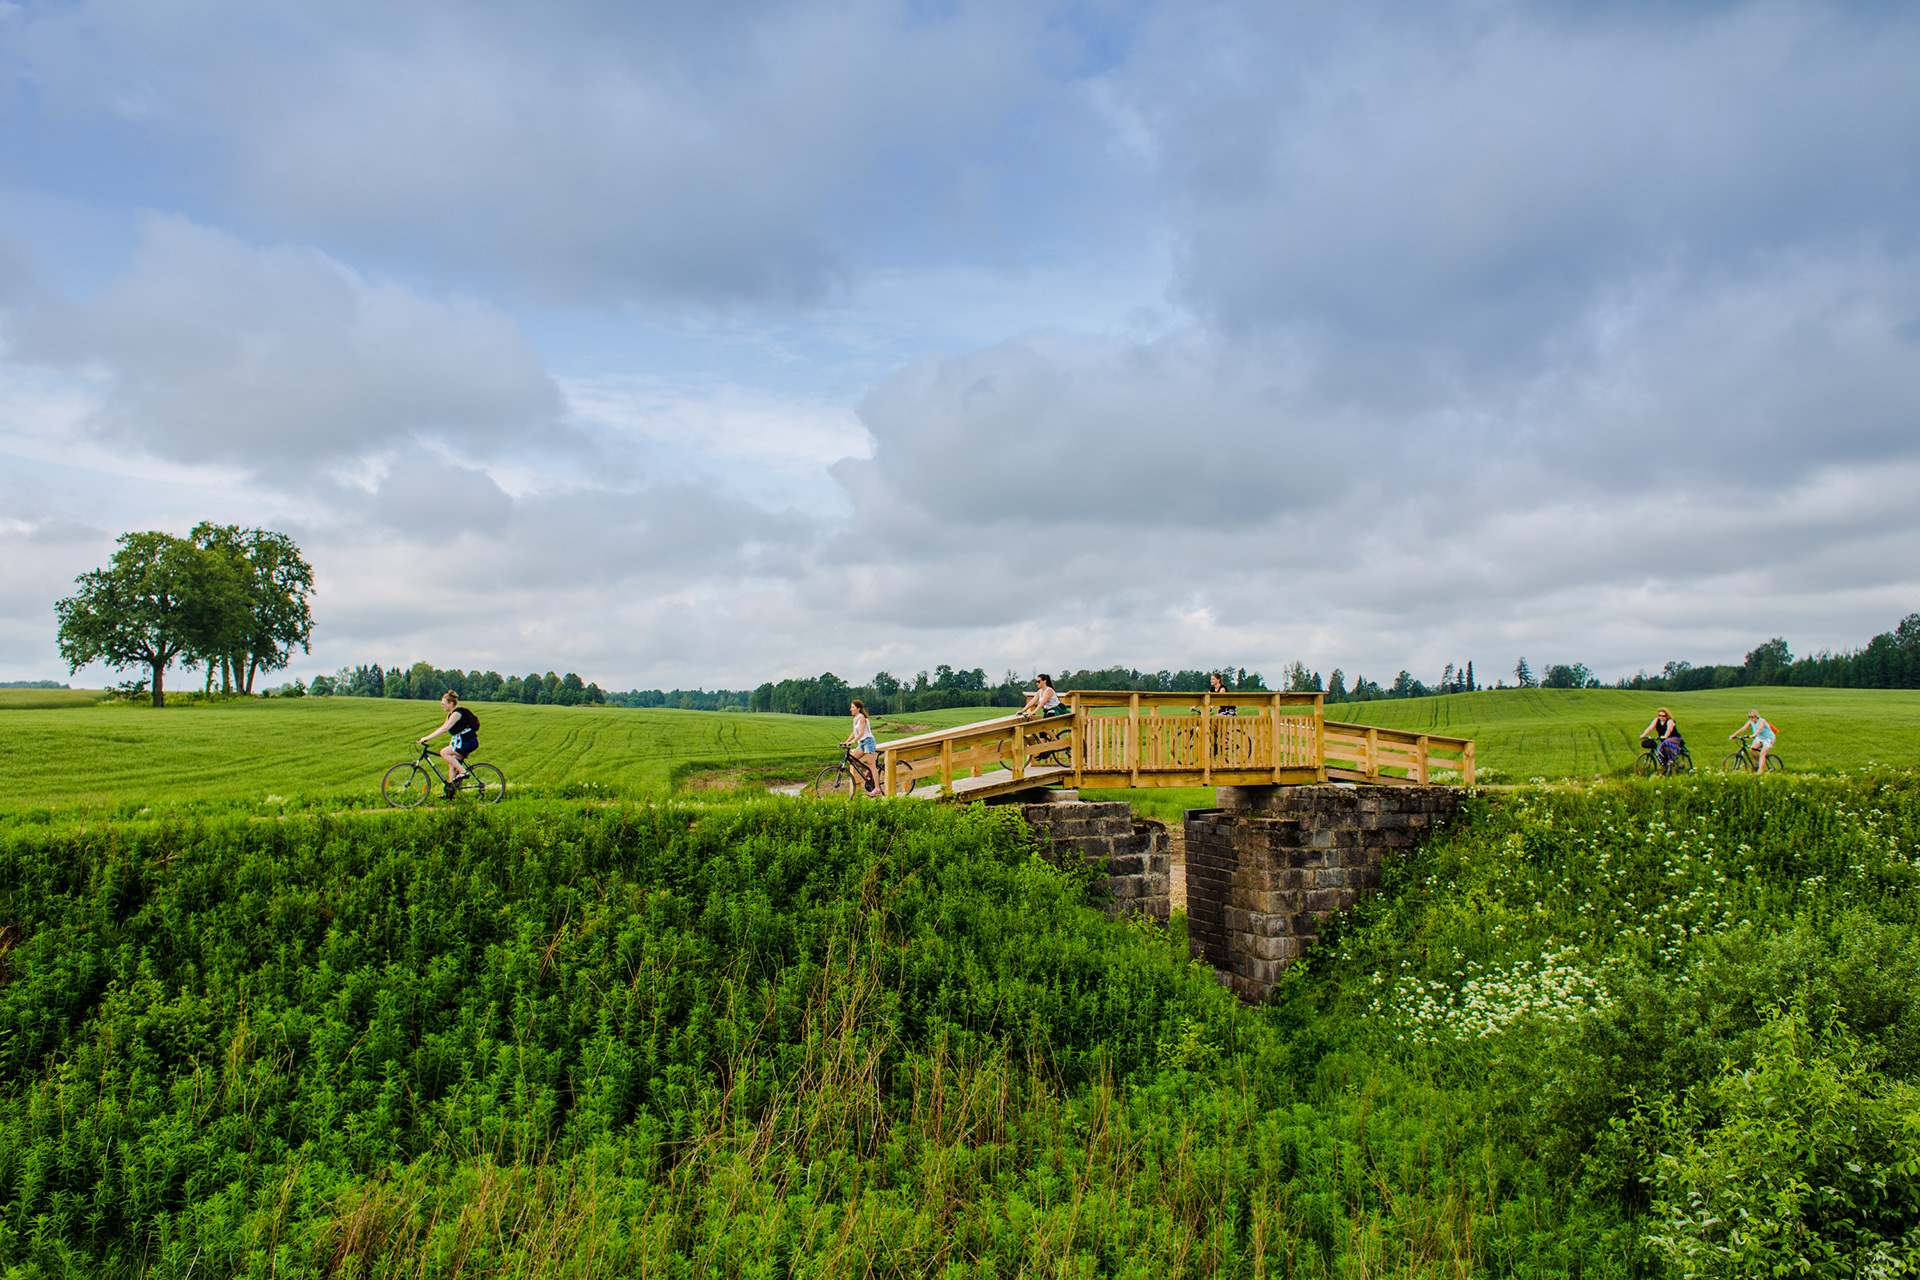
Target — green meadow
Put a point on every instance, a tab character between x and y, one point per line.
328	751
67	747
1584	733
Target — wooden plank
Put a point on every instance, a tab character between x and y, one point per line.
1320	736
1420	763
946	767
1206	738
1466	766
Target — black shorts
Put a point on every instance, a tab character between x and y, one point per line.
465	744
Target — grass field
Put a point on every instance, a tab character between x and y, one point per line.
1542	733
326	750
63	747
49	699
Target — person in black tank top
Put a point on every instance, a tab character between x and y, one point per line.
465	728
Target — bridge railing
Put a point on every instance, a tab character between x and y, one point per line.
1129	739
1363	753
1021	748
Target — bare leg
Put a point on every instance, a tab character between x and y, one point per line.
1761	766
872	763
454	770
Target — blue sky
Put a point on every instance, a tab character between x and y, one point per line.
713	344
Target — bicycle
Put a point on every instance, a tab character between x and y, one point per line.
1650	763
840	777
1742	761
407	785
1057	755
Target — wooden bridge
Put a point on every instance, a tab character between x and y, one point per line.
1168	740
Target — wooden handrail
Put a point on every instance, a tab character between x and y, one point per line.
1132	739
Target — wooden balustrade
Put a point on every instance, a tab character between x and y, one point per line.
1169	740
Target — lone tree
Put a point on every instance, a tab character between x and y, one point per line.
154	602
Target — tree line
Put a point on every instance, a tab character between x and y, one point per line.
1891	660
231	601
424	682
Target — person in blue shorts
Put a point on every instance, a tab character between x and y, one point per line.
1761	739
465	728
861	742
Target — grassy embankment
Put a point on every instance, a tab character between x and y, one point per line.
1585	1032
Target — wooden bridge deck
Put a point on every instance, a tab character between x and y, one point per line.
1167	740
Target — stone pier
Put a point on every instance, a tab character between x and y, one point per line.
1138	853
1271	863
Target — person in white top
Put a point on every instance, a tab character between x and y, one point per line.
1045	699
864	748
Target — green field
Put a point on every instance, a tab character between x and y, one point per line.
326	751
64	747
49	699
1583	733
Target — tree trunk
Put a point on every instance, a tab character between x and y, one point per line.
252	667
159	691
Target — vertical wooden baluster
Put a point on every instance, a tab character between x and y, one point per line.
1204	741
1420	760
1373	755
1466	765
946	766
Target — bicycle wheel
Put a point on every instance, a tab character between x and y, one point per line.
1682	763
484	783
1646	765
1773	763
832	781
406	785
1735	763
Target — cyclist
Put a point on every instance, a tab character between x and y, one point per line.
1760	739
1216	684
1045	699
465	728
1663	735
861	742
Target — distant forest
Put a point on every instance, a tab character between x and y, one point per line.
1890	660
31	684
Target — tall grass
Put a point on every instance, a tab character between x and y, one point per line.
785	1038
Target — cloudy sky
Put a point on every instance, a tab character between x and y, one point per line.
708	344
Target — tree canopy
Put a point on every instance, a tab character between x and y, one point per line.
228	599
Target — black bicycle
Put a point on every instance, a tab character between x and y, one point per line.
841	777
1650	762
408	785
1049	750
1745	761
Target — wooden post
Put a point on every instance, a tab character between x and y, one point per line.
1073	743
1420	760
1373	754
946	766
1204	742
1133	738
1466	765
1273	714
1320	736
1019	749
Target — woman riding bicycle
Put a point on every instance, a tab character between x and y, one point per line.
1760	739
465	728
1663	735
861	743
1045	699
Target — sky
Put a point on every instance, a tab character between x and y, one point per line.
703	345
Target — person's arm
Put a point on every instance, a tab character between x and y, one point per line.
1648	731
452	717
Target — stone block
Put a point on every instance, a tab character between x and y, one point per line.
1319	900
